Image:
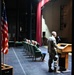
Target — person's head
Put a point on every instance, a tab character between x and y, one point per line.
54	33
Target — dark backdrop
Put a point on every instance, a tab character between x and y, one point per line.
21	15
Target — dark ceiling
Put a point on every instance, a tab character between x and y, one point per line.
12	4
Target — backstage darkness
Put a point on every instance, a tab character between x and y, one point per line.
21	16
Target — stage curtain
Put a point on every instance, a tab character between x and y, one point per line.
39	21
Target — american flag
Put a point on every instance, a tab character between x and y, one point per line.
4	30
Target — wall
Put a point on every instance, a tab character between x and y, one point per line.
51	18
45	28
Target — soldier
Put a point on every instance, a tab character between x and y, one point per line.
52	47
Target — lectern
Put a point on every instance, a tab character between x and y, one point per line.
65	48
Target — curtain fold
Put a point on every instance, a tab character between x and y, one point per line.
39	21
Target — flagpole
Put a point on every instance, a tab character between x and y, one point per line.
3	59
4	28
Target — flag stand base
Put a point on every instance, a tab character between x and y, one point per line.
6	69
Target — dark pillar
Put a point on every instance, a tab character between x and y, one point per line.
17	19
29	21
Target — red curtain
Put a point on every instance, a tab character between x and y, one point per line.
39	22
